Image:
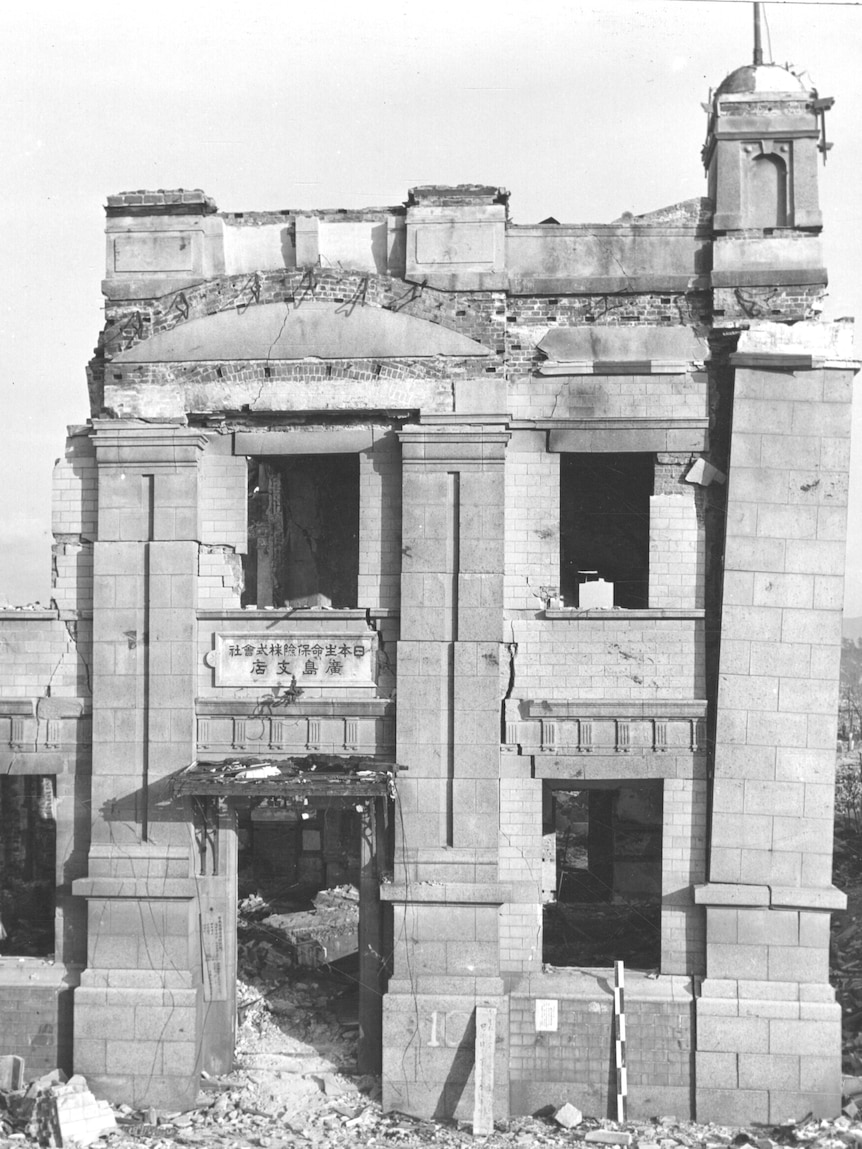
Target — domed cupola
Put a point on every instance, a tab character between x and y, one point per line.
760	79
765	129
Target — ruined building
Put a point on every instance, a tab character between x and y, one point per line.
578	492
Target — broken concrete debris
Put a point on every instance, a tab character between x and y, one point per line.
568	1116
55	1112
305	1095
11	1073
326	933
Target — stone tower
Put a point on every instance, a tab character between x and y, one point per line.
768	1025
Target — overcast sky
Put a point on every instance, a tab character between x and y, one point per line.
582	109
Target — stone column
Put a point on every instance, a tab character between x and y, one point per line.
138	1008
446	890
768	1027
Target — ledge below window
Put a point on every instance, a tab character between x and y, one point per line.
293	613
617	613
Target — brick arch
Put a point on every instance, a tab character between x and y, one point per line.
457	312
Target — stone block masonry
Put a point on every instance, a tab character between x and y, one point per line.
574	1059
774	761
36	1014
609	657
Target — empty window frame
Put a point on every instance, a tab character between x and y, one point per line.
28	849
604	525
303	523
602	874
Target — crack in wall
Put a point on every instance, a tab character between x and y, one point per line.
384	662
512	651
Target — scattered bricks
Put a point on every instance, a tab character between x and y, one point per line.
75	1115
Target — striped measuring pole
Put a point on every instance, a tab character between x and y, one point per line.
620	1043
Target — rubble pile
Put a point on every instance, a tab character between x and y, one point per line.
298	1020
271	943
846	947
340	1112
326	933
54	1112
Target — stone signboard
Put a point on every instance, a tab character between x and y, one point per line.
313	659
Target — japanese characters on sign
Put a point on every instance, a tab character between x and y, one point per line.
213	951
312	659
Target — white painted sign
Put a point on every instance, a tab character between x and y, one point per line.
547	1015
213	952
313	659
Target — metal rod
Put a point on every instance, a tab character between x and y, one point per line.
758	45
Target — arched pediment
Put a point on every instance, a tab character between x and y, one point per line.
272	331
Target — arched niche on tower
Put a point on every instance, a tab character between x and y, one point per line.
766	191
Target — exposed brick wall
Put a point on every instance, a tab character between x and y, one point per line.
778	304
478	315
174	197
161	391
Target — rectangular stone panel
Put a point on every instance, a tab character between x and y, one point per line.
329	661
153	251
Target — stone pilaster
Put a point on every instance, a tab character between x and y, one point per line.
769	1030
137	1011
446	892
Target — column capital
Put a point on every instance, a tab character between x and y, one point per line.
122	443
443	445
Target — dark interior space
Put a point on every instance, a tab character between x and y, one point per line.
289	853
28	848
303	523
604	524
606	842
298	914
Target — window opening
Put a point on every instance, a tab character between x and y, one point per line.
303	531
28	850
604	526
602	883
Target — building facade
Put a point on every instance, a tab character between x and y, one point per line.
518	550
